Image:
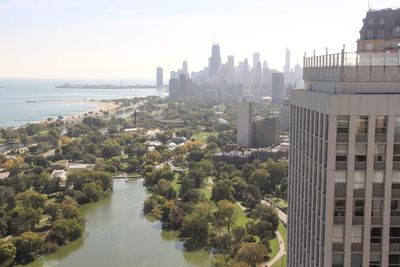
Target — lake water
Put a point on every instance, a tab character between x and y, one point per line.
118	235
14	94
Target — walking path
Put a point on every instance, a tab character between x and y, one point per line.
282	250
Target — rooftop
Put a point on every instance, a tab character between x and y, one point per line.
353	72
381	24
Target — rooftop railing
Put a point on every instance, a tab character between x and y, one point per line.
353	67
353	59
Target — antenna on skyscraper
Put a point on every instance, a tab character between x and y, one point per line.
369	5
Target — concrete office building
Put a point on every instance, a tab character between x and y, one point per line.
265	132
344	167
160	78
244	123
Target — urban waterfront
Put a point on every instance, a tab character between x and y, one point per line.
14	94
117	234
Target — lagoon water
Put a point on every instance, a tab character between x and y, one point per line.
14	94
118	235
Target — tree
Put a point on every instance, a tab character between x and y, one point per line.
252	254
23	219
165	189
226	215
7	253
31	199
28	246
261	179
198	175
195	155
247	170
221	190
65	230
252	196
266	213
53	210
187	184
263	229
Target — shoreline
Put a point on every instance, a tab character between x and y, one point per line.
99	106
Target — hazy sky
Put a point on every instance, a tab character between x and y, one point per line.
128	39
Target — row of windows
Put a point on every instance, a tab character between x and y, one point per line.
357	235
359	204
375	260
381	122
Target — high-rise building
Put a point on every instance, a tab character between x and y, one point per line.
286	69
344	167
244	123
214	62
256	59
174	88
183	86
265	132
185	69
278	87
160	78
381	31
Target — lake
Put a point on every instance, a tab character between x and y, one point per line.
117	234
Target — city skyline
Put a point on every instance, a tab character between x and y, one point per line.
127	39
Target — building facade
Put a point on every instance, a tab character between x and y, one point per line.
265	132
244	123
160	78
344	167
278	87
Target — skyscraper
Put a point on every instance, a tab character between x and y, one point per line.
278	87
214	62
185	69
256	59
160	78
286	69
244	124
344	168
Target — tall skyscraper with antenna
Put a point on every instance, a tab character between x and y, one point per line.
214	62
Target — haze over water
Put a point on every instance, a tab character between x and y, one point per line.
15	111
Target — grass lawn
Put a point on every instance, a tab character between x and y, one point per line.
175	183
281	262
274	244
202	136
207	192
242	219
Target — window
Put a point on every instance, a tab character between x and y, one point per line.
380	152
394	260
343	124
341	152
340	177
396	152
376	235
371	21
396	31
356	260
340	206
375	260
377	208
361	153
359	180
370	34
394	235
369	47
396	180
381	124
337	260
395	208
379	177
397	126
356	234
382	21
338	234
381	34
358	207
362	125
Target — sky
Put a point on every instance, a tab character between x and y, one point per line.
129	39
